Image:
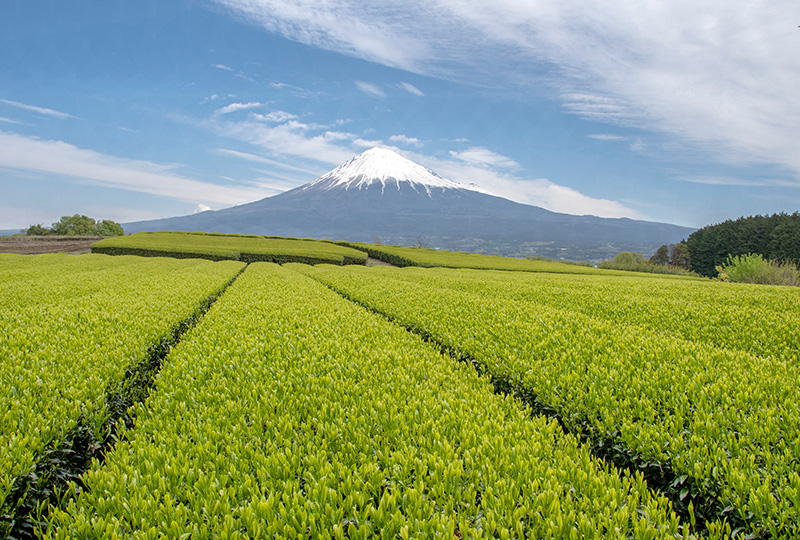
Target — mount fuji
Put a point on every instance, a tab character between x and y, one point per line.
380	194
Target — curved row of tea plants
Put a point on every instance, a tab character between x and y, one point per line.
727	419
218	247
430	258
761	320
70	326
289	412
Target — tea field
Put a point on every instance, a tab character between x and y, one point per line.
334	401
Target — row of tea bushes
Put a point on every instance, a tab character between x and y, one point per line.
762	321
431	258
726	419
239	247
289	412
71	326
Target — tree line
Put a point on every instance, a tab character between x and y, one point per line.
775	237
77	225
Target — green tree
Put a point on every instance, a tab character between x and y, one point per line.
629	258
661	256
784	240
75	225
776	237
37	230
679	255
109	228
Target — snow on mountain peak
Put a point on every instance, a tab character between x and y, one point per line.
380	165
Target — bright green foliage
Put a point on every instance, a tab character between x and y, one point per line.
720	409
661	256
109	228
429	258
217	247
635	262
754	268
699	311
78	225
776	237
70	326
289	412
37	230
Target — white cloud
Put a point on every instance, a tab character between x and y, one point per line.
366	143
607	137
371	89
537	191
223	67
365	30
201	208
233	107
408	87
261	159
712	78
9	121
274	116
597	108
738	181
402	139
484	156
25	153
288	139
40	110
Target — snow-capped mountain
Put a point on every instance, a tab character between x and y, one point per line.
390	170
380	194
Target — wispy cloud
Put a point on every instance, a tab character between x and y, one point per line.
402	139
712	78
274	116
738	181
25	153
607	137
598	108
484	156
408	87
40	110
368	31
9	121
371	89
535	191
223	67
261	159
233	107
288	139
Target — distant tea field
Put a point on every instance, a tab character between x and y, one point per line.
239	247
149	397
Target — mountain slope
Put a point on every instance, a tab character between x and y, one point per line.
381	194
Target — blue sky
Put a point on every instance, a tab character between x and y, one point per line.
683	112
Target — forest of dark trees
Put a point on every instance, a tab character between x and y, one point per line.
775	237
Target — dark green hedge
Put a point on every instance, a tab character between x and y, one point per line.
236	256
775	237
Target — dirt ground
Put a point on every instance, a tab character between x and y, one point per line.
28	245
376	262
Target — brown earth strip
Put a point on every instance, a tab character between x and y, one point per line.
376	262
28	245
